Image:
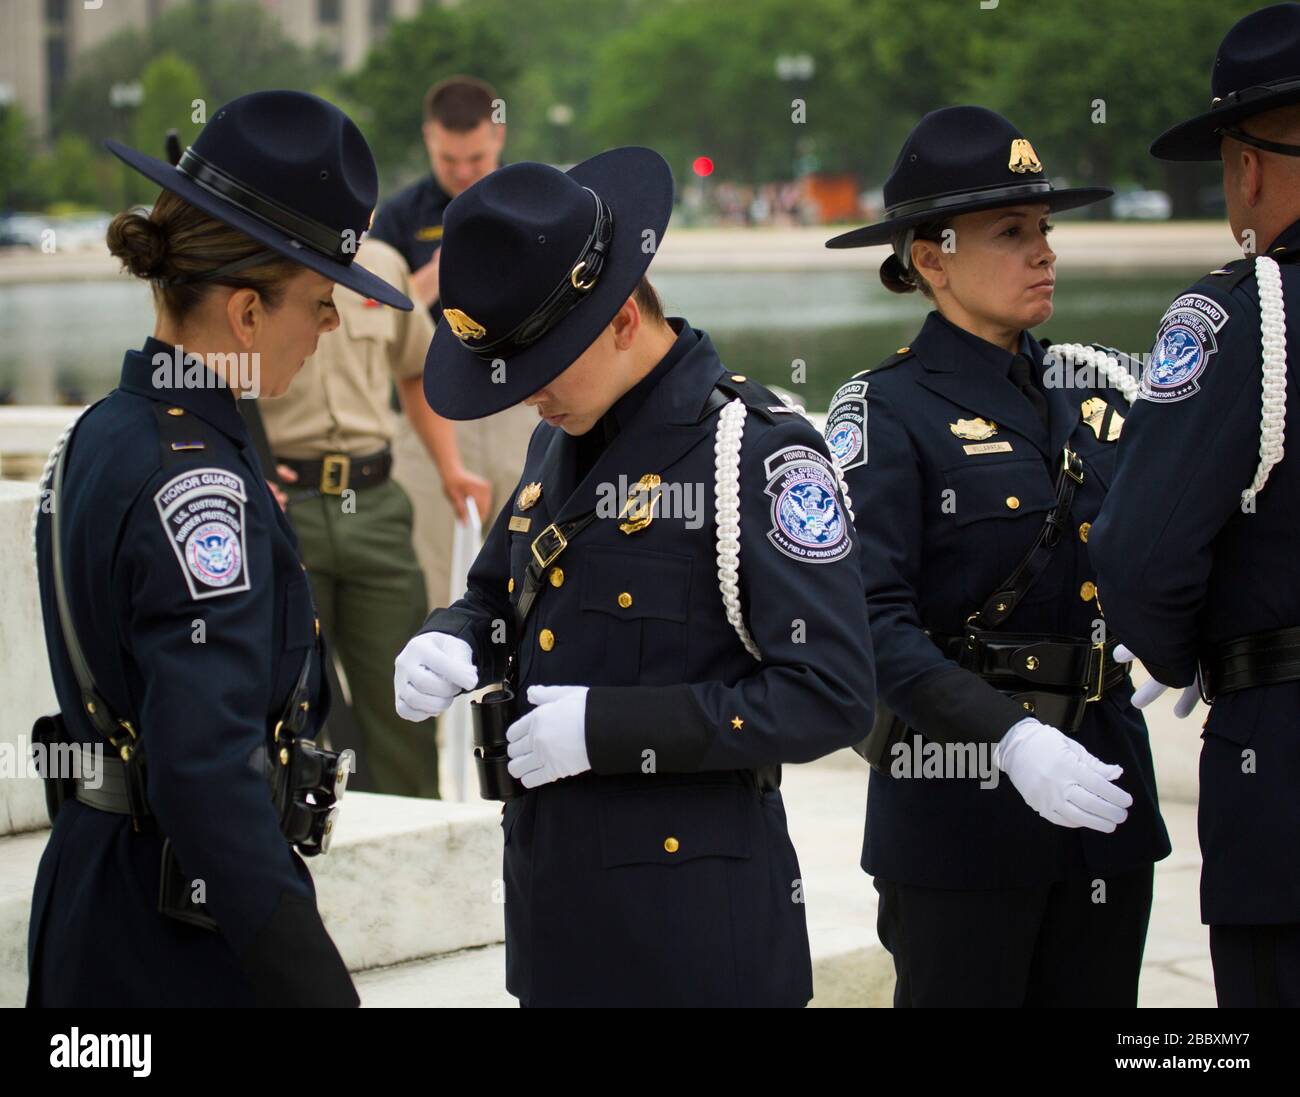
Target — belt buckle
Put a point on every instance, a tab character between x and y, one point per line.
1071	463
335	470
546	561
1100	651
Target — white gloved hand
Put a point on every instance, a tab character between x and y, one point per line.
1060	780
551	741
429	673
1149	690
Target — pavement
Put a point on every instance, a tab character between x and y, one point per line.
825	804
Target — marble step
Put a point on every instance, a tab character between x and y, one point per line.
405	878
475	979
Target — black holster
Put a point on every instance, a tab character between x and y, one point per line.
492	715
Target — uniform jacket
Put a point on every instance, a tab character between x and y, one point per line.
944	516
411	222
195	616
1182	565
598	910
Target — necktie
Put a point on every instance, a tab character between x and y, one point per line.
1022	378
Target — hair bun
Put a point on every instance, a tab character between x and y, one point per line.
894	278
139	242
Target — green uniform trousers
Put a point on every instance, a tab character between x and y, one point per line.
371	599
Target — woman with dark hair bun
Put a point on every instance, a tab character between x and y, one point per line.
179	623
974	472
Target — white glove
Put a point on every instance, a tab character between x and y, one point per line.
430	671
551	741
1149	690
1060	780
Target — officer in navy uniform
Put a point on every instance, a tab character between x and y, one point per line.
1016	871
673	592
169	878
1196	546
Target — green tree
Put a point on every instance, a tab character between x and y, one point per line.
389	88
16	185
172	98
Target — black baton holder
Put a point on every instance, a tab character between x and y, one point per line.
492	715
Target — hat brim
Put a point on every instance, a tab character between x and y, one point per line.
1198	138
883	232
351	275
637	186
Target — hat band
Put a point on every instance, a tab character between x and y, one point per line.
1255	91
329	242
573	288
947	201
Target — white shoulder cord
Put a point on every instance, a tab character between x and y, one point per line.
726	505
1272	337
1106	365
48	472
1272	325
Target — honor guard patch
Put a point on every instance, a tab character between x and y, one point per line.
846	425
807	522
1184	346
202	514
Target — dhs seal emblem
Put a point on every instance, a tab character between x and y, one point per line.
202	515
846	425
212	553
808	523
1186	342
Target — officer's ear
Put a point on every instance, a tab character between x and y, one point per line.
245	312
626	324
927	261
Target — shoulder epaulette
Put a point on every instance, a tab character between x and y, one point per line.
1231	275
758	398
180	434
900	355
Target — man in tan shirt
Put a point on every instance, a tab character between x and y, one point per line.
332	436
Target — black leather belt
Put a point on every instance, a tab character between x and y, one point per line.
334	473
1260	659
108	789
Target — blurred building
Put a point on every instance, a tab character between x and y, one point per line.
40	40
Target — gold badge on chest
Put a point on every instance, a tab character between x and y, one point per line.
1094	414
528	495
974	430
640	505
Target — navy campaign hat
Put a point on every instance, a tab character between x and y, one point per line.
288	169
535	263
958	160
1256	69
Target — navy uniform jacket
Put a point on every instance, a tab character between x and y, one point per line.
143	582
1182	566
599	910
943	521
411	222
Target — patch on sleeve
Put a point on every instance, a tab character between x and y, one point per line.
808	523
846	426
1184	346
202	514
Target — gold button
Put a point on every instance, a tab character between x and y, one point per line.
1083	532
284	756
671	845
738	377
1013	503
557	577
1001	607
625	599
1088	591
1031	663
546	639
510	586
902	350
1028	706
175	411
317	626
